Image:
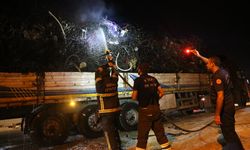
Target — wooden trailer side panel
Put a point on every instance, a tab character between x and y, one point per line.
17	89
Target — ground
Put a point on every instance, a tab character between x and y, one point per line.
205	139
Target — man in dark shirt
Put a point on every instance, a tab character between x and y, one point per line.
222	96
147	91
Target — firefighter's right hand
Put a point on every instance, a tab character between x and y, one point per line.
217	120
195	52
109	58
112	65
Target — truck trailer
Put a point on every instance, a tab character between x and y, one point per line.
52	104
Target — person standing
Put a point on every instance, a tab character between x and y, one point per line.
106	81
222	96
147	91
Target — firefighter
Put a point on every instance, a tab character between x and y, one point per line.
106	80
147	91
221	93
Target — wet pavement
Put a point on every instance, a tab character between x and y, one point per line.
206	139
11	137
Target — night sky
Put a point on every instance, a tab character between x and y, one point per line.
221	25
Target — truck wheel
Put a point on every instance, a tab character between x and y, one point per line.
49	128
88	124
129	116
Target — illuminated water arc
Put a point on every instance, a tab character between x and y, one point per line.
103	38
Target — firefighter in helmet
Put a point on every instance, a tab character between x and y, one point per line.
106	81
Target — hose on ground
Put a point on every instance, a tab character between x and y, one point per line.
186	130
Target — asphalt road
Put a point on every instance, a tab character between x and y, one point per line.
11	138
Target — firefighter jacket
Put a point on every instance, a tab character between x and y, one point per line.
106	80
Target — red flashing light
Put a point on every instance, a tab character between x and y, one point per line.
187	51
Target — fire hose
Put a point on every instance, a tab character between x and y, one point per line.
108	53
186	130
180	128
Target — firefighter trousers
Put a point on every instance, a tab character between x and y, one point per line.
232	139
228	130
150	118
110	129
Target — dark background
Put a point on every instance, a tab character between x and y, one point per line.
222	26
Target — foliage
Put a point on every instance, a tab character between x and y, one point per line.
38	44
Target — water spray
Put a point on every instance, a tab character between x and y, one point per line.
108	53
103	38
109	57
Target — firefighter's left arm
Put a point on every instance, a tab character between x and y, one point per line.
135	89
219	104
134	95
98	74
160	92
114	73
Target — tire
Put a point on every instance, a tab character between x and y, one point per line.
49	128
88	124
128	118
